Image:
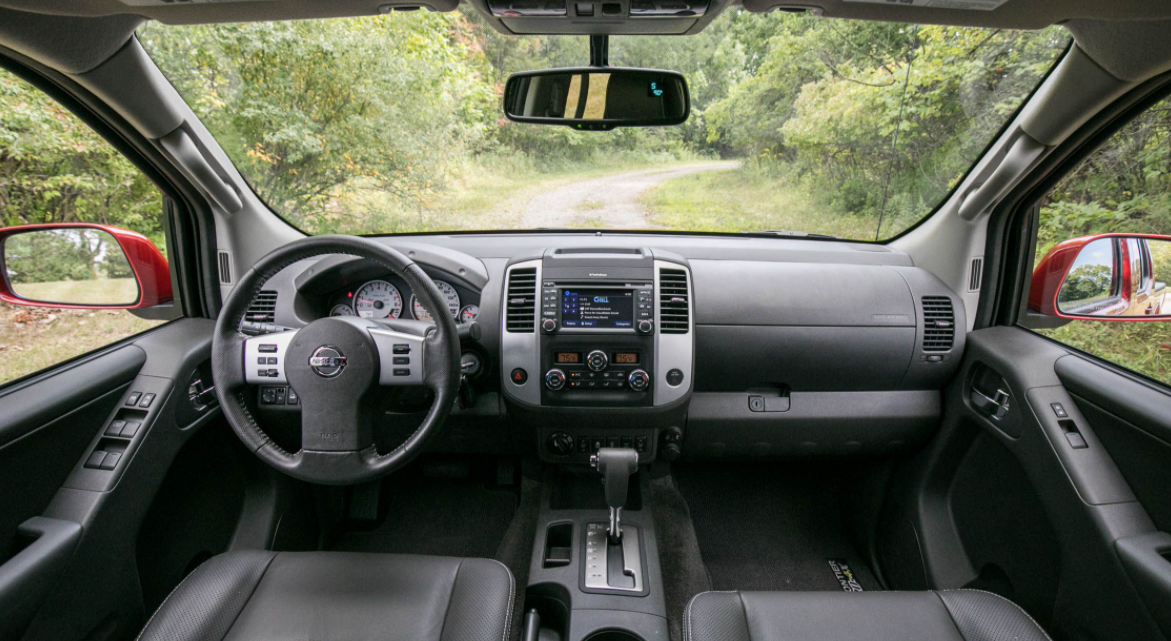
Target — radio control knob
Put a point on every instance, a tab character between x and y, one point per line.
645	326
549	325
597	360
555	379
638	380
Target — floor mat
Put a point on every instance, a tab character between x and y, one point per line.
443	518
771	528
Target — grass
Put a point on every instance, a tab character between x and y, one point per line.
740	200
1144	347
104	291
588	205
33	338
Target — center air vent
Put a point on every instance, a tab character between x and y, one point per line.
521	301
939	327
674	303
263	308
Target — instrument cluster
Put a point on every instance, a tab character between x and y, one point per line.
392	298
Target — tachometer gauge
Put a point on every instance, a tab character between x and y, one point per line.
341	310
378	299
469	313
449	296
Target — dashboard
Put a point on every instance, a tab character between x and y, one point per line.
679	346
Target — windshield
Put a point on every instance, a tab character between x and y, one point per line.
393	124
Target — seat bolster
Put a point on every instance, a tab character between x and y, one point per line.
715	616
984	616
207	602
474	612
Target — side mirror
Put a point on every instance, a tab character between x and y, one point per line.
598	98
78	265
1119	277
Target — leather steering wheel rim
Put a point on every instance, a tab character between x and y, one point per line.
441	351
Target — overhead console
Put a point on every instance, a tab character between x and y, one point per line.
609	330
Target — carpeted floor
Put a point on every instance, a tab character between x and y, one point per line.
769	527
437	517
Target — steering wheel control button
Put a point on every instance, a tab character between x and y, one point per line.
327	361
132	400
402	360
401	348
266	348
597	360
519	376
638	380
402	371
555	379
675	377
147	399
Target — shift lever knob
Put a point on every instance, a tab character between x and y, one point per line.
616	465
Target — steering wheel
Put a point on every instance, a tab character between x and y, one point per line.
338	367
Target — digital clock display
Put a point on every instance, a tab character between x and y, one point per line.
568	357
626	358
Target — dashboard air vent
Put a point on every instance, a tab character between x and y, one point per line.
674	304
521	303
225	268
263	308
939	328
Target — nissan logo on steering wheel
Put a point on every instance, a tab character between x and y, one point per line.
327	361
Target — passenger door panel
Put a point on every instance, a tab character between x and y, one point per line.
1000	507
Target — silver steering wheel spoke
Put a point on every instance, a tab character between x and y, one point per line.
402	357
265	358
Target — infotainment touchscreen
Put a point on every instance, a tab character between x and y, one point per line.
597	308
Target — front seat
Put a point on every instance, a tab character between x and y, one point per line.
337	596
947	615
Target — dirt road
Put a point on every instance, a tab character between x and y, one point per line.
610	202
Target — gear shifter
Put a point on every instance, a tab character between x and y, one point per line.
616	465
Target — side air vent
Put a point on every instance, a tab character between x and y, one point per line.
975	274
263	308
225	264
939	327
521	303
674	303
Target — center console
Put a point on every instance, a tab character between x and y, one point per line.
597	348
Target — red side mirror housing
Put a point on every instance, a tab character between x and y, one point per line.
147	265
1115	277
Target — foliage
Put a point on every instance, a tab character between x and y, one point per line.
54	168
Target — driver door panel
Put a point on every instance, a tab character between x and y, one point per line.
88	584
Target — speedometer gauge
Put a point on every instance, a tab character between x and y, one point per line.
341	310
378	299
450	297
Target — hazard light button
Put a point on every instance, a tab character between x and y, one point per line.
519	376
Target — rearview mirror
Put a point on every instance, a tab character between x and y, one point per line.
81	266
1105	277
598	98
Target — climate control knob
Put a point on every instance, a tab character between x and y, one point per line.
555	379
549	325
645	326
638	380
597	360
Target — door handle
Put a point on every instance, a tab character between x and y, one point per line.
995	406
28	576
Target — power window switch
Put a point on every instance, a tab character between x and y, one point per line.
147	399
95	460
132	400
131	429
1076	441
110	462
115	428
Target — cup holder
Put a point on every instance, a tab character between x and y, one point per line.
613	635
